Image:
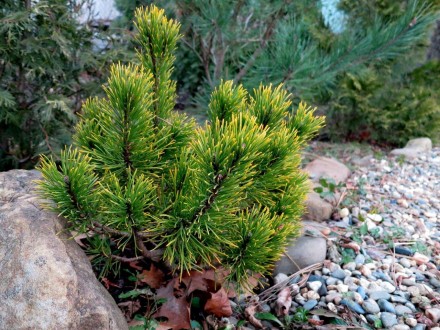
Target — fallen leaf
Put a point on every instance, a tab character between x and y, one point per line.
176	309
134	264
352	245
219	304
316	322
129	308
78	237
107	283
284	301
207	280
153	278
249	313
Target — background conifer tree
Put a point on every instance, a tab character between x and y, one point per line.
48	66
229	194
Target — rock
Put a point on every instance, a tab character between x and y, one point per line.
411	306
371	306
357	297
354	306
373	319
434	282
281	277
374	217
376	295
324	167
332	307
312	295
342	288
388	287
411	322
317	209
420	259
332	296
361	292
364	161
420	326
310	304
386	306
359	260
402	310
433	314
422	301
414	291
304	251
400	327
315	285
323	288
46	280
339	274
344	212
414	148
398	299
388	319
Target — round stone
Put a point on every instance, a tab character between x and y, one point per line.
310	304
315	285
386	306
403	310
371	306
376	295
388	319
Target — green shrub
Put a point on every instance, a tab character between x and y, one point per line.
230	194
288	42
387	108
47	68
389	102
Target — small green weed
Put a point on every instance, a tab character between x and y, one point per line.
328	188
301	315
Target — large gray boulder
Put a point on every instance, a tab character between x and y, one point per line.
301	253
46	280
414	148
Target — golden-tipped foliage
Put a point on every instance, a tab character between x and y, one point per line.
230	194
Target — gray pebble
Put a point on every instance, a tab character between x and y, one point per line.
310	304
371	306
339	274
265	308
434	282
398	299
354	306
362	292
386	306
376	295
411	306
402	310
372	318
388	319
360	259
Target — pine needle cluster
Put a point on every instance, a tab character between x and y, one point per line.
229	194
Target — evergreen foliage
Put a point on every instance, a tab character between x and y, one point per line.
47	67
287	42
391	107
229	194
391	102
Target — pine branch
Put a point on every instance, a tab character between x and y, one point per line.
124	259
270	26
155	255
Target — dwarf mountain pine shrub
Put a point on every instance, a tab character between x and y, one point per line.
230	194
